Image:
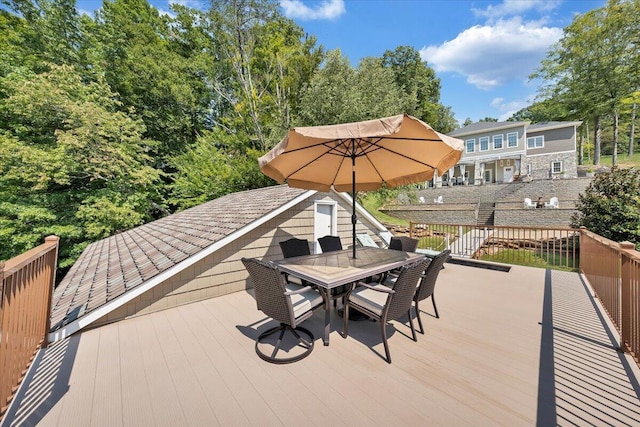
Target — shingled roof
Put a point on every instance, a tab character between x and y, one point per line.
109	268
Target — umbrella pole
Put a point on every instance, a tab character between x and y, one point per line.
354	218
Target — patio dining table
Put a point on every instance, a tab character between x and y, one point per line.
333	269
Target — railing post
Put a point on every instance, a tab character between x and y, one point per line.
626	303
53	265
411	229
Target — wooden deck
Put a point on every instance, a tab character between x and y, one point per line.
516	349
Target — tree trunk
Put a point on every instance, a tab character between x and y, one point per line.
597	129
581	147
616	125
632	130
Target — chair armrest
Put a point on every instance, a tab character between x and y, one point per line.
377	289
299	291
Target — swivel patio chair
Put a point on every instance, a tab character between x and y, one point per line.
427	284
385	304
284	302
292	248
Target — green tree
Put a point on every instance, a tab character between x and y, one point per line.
71	164
610	206
594	66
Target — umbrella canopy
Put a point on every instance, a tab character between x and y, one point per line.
361	156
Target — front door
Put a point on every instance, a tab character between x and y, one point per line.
487	176
324	222
508	174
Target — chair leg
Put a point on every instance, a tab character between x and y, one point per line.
419	318
345	316
383	328
433	300
413	329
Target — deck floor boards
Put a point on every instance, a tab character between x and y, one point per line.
486	361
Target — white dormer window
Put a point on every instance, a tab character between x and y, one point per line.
497	142
484	143
471	145
512	139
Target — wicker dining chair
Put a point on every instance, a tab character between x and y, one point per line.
284	302
403	243
427	285
384	304
330	243
294	247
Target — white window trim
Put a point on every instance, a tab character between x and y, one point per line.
466	145
509	143
480	143
533	138
494	141
556	162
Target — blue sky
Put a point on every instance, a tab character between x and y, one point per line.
483	51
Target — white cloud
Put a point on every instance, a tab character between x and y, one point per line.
516	7
492	55
508	108
328	9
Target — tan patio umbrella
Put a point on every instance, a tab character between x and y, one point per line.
362	156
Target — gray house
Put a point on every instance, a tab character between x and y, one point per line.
501	152
195	254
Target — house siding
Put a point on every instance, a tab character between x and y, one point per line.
555	141
223	273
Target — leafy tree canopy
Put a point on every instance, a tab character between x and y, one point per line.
610	206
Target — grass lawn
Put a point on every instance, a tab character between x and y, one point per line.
623	160
371	203
530	259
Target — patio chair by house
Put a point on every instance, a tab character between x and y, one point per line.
364	240
438	200
294	247
427	284
385	304
528	203
286	303
330	243
403	243
553	203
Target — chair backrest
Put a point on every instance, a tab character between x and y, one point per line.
366	241
527	202
403	243
295	247
438	199
399	302
428	281
330	243
269	289
553	201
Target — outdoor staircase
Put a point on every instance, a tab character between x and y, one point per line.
486	213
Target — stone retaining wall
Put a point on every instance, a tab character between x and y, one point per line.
463	213
534	217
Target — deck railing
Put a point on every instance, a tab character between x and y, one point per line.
534	246
613	270
26	284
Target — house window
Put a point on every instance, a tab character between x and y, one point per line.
535	142
512	139
471	145
484	143
497	142
556	167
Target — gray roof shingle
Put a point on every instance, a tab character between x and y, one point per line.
110	267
